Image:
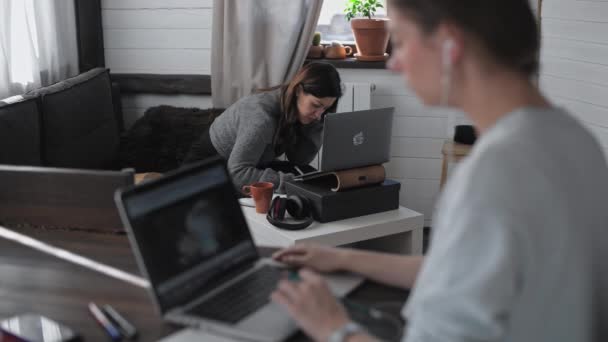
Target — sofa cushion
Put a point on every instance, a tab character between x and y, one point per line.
19	132
160	140
79	126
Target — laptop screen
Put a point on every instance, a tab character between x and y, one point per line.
190	230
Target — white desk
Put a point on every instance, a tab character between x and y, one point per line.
398	231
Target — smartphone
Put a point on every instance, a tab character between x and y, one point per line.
35	328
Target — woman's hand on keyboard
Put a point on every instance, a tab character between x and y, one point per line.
311	304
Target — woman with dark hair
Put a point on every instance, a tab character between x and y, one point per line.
518	251
258	128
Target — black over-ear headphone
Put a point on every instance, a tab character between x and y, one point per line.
296	206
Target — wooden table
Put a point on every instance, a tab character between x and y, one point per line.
31	281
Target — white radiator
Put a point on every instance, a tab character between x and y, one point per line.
357	96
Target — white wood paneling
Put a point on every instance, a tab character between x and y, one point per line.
421	195
416	147
574	61
157	39
405	105
593	32
573	89
419	127
148	4
575	50
346	102
157	18
414	168
361	96
423	206
159	61
425	189
386	82
578	10
408	105
157	36
575	70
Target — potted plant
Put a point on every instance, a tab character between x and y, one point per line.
371	34
316	50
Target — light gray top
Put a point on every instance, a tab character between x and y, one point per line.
520	240
244	133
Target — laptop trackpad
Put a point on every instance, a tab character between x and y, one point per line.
271	318
274	318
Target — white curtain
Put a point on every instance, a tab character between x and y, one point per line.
37	44
258	44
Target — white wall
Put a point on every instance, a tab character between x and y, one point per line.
574	60
158	37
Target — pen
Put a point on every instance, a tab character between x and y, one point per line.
104	323
127	329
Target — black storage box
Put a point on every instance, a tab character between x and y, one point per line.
330	206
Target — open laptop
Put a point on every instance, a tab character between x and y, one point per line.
61	197
355	139
191	241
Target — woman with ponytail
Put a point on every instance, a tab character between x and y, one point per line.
287	119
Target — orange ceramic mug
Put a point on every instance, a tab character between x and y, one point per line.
262	195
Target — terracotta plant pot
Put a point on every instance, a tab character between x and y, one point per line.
315	51
371	37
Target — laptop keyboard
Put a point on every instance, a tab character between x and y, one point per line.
242	298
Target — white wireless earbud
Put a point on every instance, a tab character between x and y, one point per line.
447	47
446	71
446	85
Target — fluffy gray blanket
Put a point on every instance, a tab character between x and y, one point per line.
160	140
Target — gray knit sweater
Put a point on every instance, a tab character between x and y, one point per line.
243	135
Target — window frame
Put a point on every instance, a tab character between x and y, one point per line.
352	62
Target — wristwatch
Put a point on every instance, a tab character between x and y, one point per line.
340	334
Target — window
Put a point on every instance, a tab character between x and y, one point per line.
37	44
333	24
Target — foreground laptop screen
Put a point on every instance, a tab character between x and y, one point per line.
189	230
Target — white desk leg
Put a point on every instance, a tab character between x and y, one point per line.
409	243
416	241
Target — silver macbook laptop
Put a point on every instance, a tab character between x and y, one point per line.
355	139
191	241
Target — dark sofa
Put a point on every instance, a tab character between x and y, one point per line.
78	124
75	123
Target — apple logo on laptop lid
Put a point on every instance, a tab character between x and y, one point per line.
358	139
